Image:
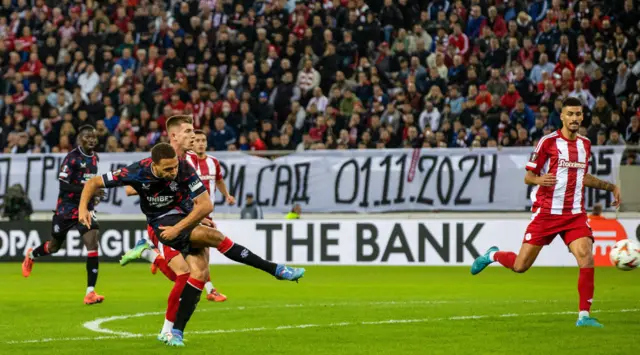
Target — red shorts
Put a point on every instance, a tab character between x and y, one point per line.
543	228
167	252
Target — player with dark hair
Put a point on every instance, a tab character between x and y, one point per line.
169	260
559	170
80	165
207	168
165	185
181	137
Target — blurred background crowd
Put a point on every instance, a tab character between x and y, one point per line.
317	74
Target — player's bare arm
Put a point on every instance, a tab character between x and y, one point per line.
223	190
202	207
531	178
130	191
594	182
90	189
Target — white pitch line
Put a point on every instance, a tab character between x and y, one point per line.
330	325
96	324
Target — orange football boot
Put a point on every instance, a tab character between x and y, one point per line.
27	264
216	296
93	298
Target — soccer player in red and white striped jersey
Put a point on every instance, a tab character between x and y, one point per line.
559	170
208	168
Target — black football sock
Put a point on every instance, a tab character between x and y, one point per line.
42	250
243	255
189	299
92	269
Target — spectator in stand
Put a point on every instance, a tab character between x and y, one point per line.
221	136
615	138
292	64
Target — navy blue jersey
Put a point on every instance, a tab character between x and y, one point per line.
159	197
76	169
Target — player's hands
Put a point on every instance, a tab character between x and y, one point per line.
169	232
616	196
208	223
84	217
231	200
547	180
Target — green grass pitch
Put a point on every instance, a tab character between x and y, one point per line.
333	310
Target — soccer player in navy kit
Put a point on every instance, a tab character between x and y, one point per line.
80	165
164	183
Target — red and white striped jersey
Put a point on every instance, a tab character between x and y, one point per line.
209	171
568	160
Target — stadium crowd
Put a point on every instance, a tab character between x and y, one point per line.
324	74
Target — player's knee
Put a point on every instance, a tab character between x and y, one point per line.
585	261
215	237
199	274
520	268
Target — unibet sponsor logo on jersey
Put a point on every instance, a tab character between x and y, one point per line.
207	177
160	201
571	164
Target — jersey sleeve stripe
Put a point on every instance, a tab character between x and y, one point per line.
541	142
532	165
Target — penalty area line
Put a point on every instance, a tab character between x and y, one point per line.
326	325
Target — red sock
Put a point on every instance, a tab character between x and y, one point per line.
162	264
174	297
505	258
196	283
586	287
225	245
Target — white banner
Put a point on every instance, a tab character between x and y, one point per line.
330	242
339	181
405	242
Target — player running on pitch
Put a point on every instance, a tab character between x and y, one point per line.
164	183
180	128
558	168
80	165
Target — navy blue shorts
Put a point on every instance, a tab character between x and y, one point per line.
182	242
60	226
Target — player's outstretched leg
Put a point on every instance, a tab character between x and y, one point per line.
582	250
483	261
90	239
208	237
519	263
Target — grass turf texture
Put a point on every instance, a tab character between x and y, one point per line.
49	305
